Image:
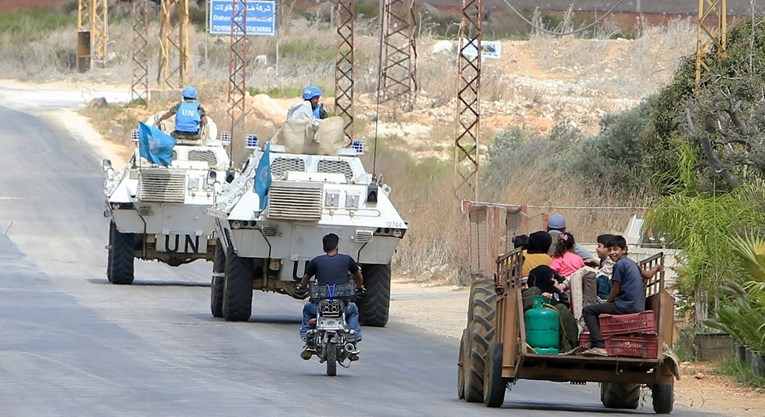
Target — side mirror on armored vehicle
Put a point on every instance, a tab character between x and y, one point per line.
106	165
230	175
372	193
212	177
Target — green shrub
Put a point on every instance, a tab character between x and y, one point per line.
367	10
306	52
741	372
279	92
31	25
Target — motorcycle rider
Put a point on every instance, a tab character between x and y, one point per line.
331	268
189	116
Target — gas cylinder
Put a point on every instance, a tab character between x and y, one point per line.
542	328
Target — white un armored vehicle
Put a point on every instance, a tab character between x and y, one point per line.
157	212
318	187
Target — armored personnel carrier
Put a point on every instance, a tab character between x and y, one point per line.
158	212
317	186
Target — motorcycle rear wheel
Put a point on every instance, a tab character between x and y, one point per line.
331	352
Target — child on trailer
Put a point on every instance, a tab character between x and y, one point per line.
627	294
607	266
565	261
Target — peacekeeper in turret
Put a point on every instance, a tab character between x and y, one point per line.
189	115
310	107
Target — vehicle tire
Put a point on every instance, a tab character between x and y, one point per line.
480	334
218	281
331	351
461	367
374	307
121	266
471	365
663	397
494	386
617	395
237	290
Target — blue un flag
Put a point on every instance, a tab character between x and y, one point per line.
155	145
263	176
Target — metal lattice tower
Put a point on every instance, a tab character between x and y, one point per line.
139	88
710	34
466	163
344	65
399	71
93	17
174	44
237	65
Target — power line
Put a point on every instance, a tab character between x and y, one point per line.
552	32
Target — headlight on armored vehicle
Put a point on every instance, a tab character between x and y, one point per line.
332	199
352	199
193	183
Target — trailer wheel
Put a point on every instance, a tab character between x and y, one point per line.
480	335
461	368
120	266
663	398
374	307
494	385
616	395
473	365
218	282
237	291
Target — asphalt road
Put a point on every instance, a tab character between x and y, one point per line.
71	344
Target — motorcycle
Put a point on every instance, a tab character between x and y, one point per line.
332	343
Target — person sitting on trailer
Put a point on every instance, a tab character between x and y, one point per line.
627	294
544	281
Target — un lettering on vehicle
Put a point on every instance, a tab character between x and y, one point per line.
181	243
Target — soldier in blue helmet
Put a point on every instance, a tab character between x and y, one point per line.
312	95
189	116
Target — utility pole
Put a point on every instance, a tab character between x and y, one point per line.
92	29
237	69
344	66
399	70
466	158
139	88
173	44
711	34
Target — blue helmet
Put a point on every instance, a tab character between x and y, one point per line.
189	92
310	92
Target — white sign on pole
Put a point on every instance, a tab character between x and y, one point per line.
489	49
260	17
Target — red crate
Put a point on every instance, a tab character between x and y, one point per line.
633	346
585	339
630	346
619	324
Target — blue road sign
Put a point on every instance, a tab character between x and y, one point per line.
260	17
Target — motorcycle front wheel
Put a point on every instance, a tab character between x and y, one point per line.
331	352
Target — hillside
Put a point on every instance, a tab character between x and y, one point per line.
9	5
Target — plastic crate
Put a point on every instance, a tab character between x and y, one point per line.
585	339
346	292
633	346
621	324
629	346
